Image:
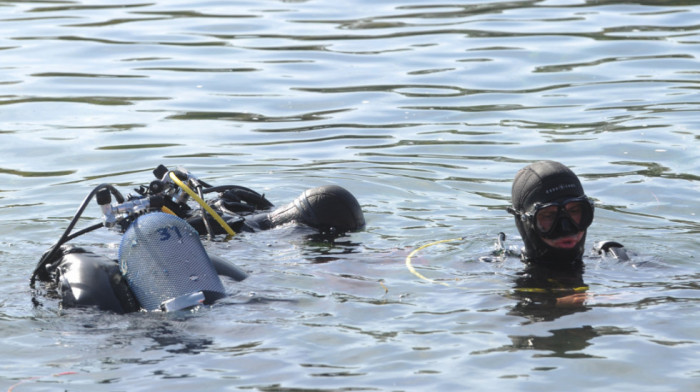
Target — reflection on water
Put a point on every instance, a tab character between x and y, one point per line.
425	112
563	343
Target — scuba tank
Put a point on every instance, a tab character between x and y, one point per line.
162	266
164	263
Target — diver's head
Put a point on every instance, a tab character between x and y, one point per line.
552	214
331	209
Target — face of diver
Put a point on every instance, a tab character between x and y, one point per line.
562	225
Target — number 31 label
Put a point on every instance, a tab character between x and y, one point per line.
167	233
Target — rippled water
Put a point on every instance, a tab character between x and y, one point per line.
425	111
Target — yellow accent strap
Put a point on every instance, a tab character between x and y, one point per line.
580	289
202	203
415	251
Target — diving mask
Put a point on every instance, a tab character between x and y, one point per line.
560	218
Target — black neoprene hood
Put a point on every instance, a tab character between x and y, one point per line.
544	182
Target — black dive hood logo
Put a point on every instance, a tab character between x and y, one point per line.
560	187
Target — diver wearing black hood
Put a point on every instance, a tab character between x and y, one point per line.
552	214
162	264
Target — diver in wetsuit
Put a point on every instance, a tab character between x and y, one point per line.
552	214
330	209
162	263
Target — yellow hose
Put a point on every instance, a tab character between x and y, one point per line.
202	203
410	256
580	289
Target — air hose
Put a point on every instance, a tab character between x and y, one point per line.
202	203
415	251
67	236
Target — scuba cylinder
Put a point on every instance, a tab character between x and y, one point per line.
165	264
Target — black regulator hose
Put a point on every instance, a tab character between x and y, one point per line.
48	257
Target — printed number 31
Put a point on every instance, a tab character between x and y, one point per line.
165	233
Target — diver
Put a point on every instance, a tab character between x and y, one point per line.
162	264
552	214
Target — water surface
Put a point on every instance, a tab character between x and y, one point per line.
425	112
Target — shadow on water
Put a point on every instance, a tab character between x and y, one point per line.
562	343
